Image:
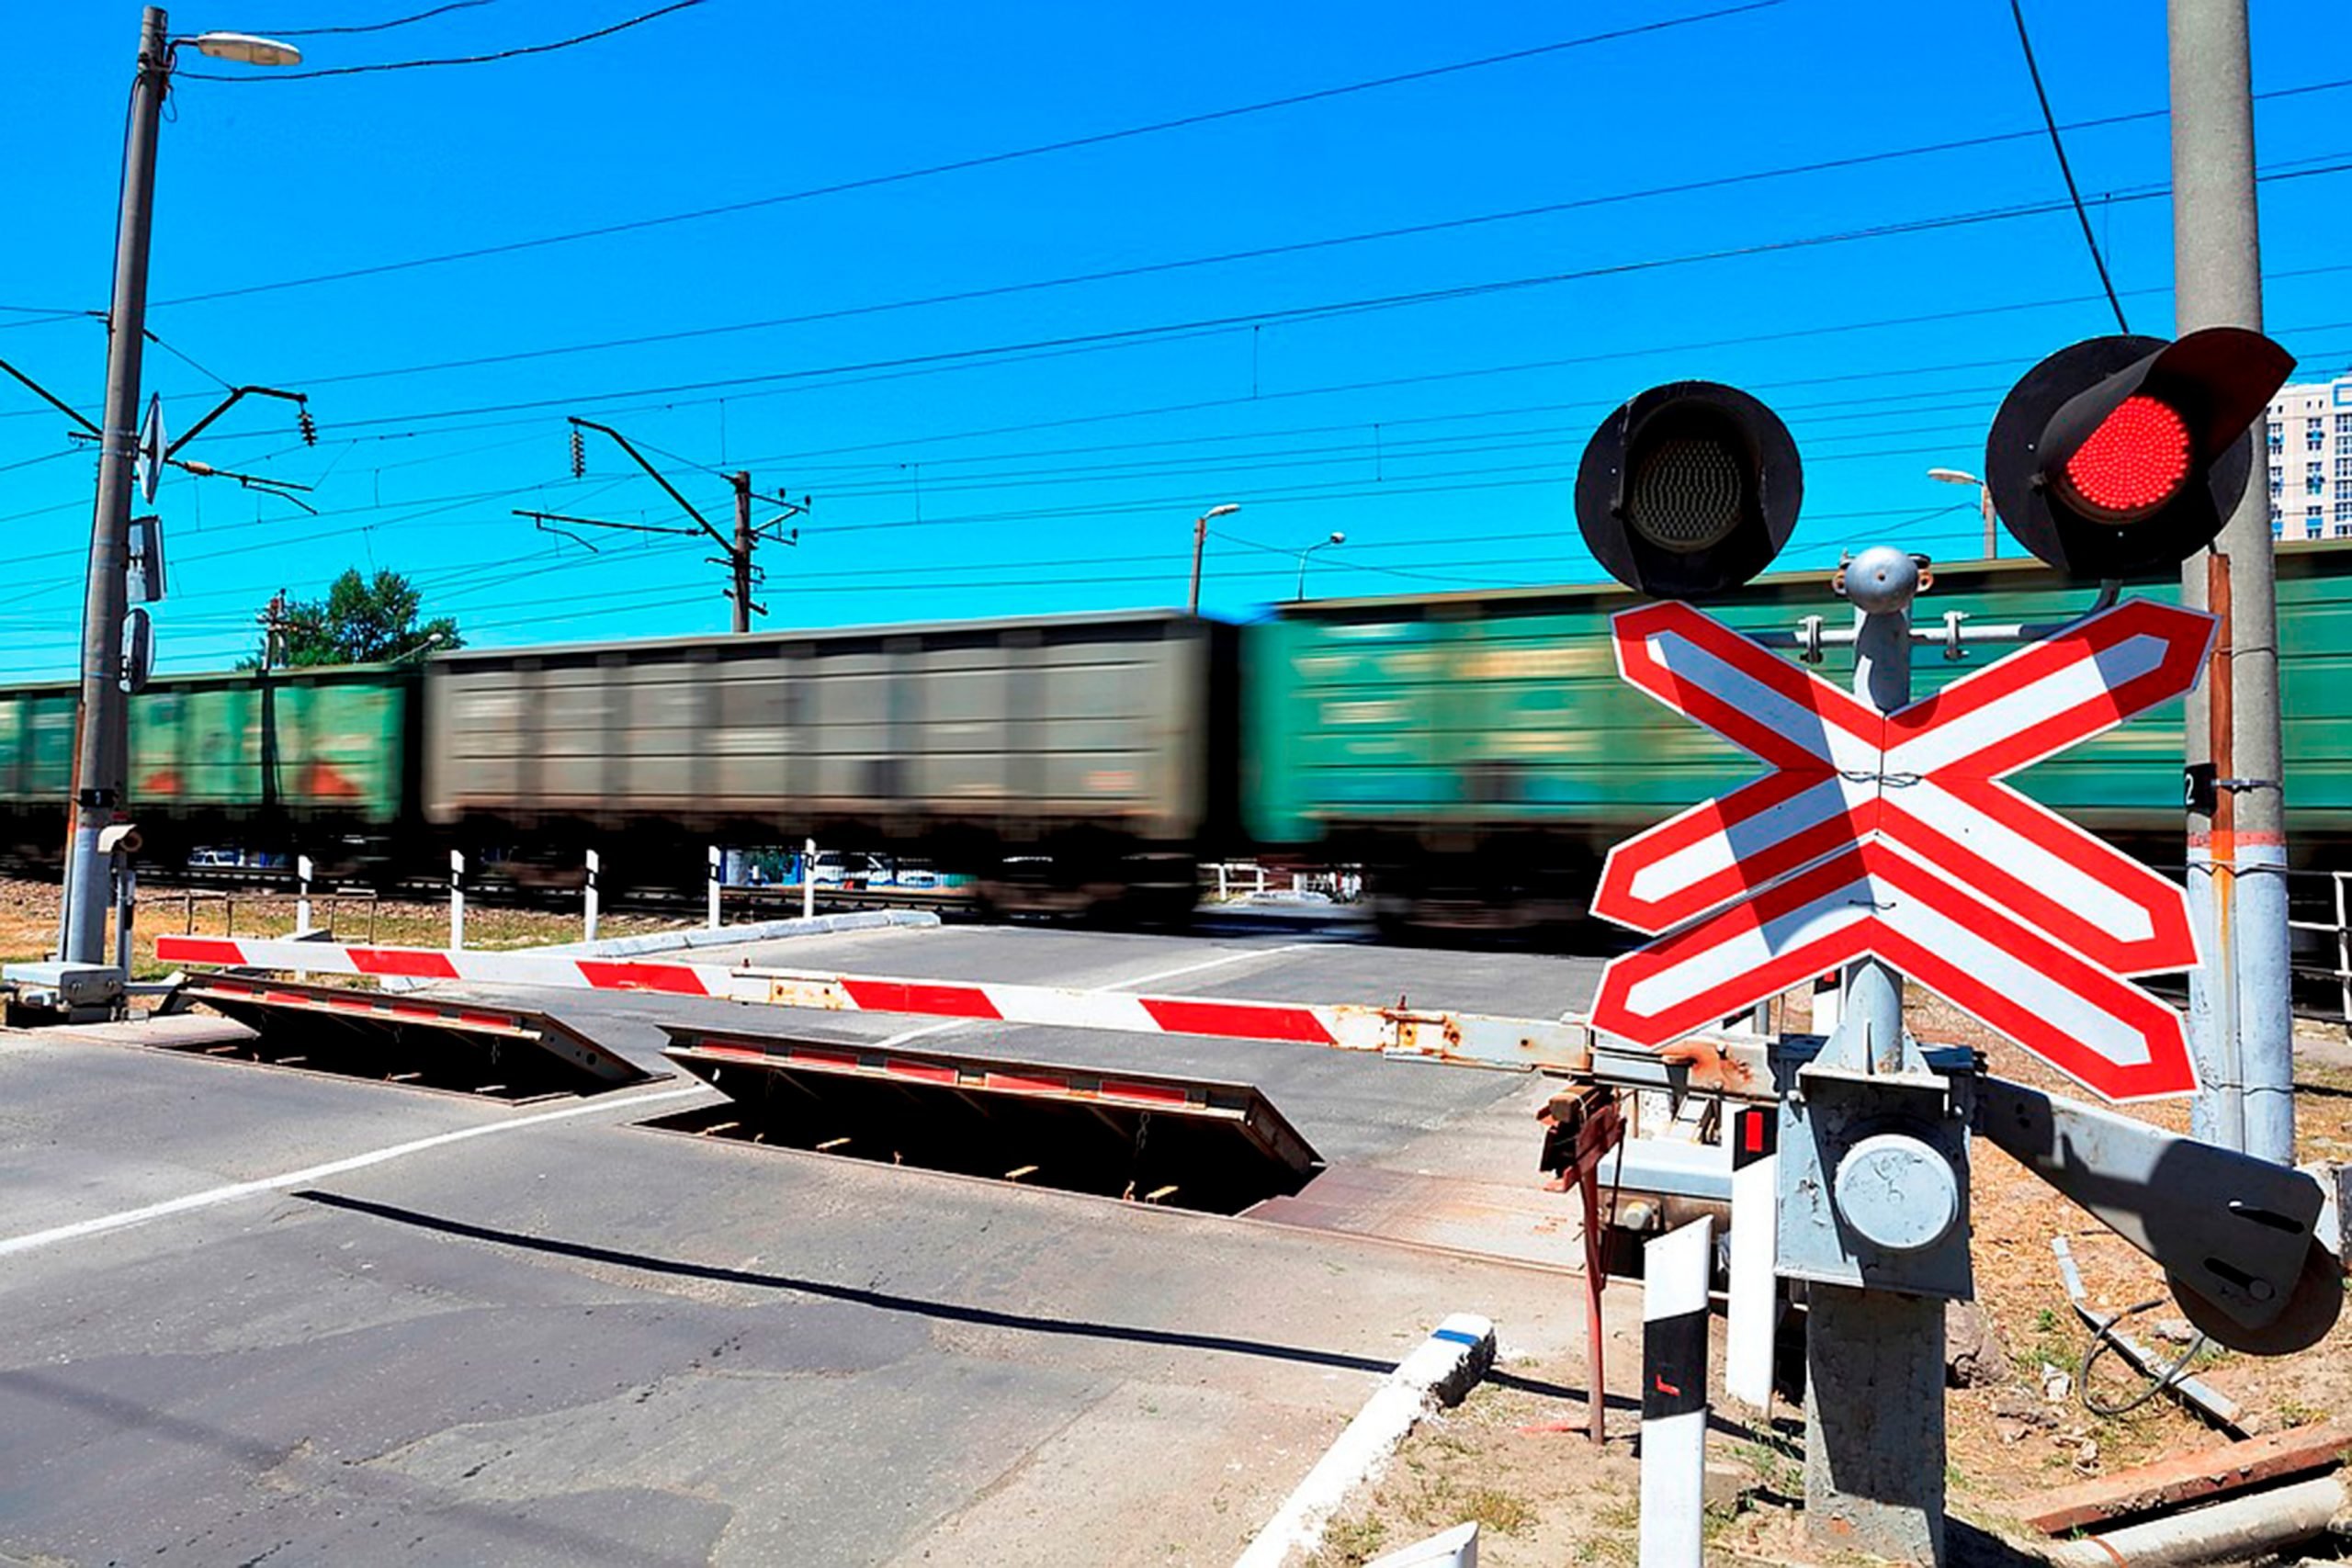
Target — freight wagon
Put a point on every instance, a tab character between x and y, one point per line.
1478	753
325	759
1068	763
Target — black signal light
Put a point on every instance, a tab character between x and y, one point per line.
2120	453
1689	490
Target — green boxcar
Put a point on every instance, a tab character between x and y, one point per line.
228	754
1377	726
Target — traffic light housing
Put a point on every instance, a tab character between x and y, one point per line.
1689	490
2117	455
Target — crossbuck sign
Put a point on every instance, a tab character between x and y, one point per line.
1894	836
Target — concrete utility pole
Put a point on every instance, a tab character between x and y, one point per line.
740	556
101	761
2240	1022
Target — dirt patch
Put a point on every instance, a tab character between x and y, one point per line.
1544	1498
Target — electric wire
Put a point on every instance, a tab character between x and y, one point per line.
516	54
2058	146
988	160
374	27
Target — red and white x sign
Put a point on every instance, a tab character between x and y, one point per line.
2030	899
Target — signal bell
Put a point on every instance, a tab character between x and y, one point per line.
1689	490
2120	453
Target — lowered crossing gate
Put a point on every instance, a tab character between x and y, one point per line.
499	1053
1148	1138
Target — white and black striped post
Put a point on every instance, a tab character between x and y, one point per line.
711	882
809	880
301	895
1753	1309
456	900
1676	1268
588	909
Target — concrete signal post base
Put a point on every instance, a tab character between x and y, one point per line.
1881	1489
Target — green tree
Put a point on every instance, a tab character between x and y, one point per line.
363	621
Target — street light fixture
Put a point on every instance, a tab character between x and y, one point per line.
1337	538
246	48
1200	541
100	760
1984	502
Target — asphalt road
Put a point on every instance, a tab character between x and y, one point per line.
263	1315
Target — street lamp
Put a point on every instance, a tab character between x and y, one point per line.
1200	541
1984	502
1337	538
100	760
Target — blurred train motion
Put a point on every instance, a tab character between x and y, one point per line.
1474	753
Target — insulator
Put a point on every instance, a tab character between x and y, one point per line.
309	426
579	456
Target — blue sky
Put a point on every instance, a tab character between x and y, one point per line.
1440	436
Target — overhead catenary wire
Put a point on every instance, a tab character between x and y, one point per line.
988	160
517	53
2065	169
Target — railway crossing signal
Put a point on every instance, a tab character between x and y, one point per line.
2118	454
2011	912
1689	490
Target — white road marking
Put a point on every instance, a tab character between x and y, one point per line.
230	1194
1212	962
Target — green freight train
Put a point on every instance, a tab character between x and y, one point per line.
1478	754
1475	752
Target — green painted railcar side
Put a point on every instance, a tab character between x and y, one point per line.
315	744
1506	712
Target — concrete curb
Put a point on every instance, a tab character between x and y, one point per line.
762	931
1444	1368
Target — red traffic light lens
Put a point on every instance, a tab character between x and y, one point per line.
2134	463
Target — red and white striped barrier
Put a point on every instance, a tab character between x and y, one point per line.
1399	1031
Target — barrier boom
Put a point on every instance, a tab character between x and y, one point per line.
1557	1045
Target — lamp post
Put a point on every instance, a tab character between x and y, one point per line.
1337	538
1985	503
102	743
1200	542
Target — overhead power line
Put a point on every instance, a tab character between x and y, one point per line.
375	27
988	160
514	54
2067	170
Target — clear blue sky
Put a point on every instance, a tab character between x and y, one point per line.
1441	436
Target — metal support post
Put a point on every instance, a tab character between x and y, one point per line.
809	880
99	753
456	900
2217	281
126	901
1874	1409
588	915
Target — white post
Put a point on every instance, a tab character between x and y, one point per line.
1261	876
717	860
1825	1006
809	880
588	909
2343	949
456	900
1674	1270
1222	892
1754	1306
302	896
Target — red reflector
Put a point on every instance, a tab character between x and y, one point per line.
2133	462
